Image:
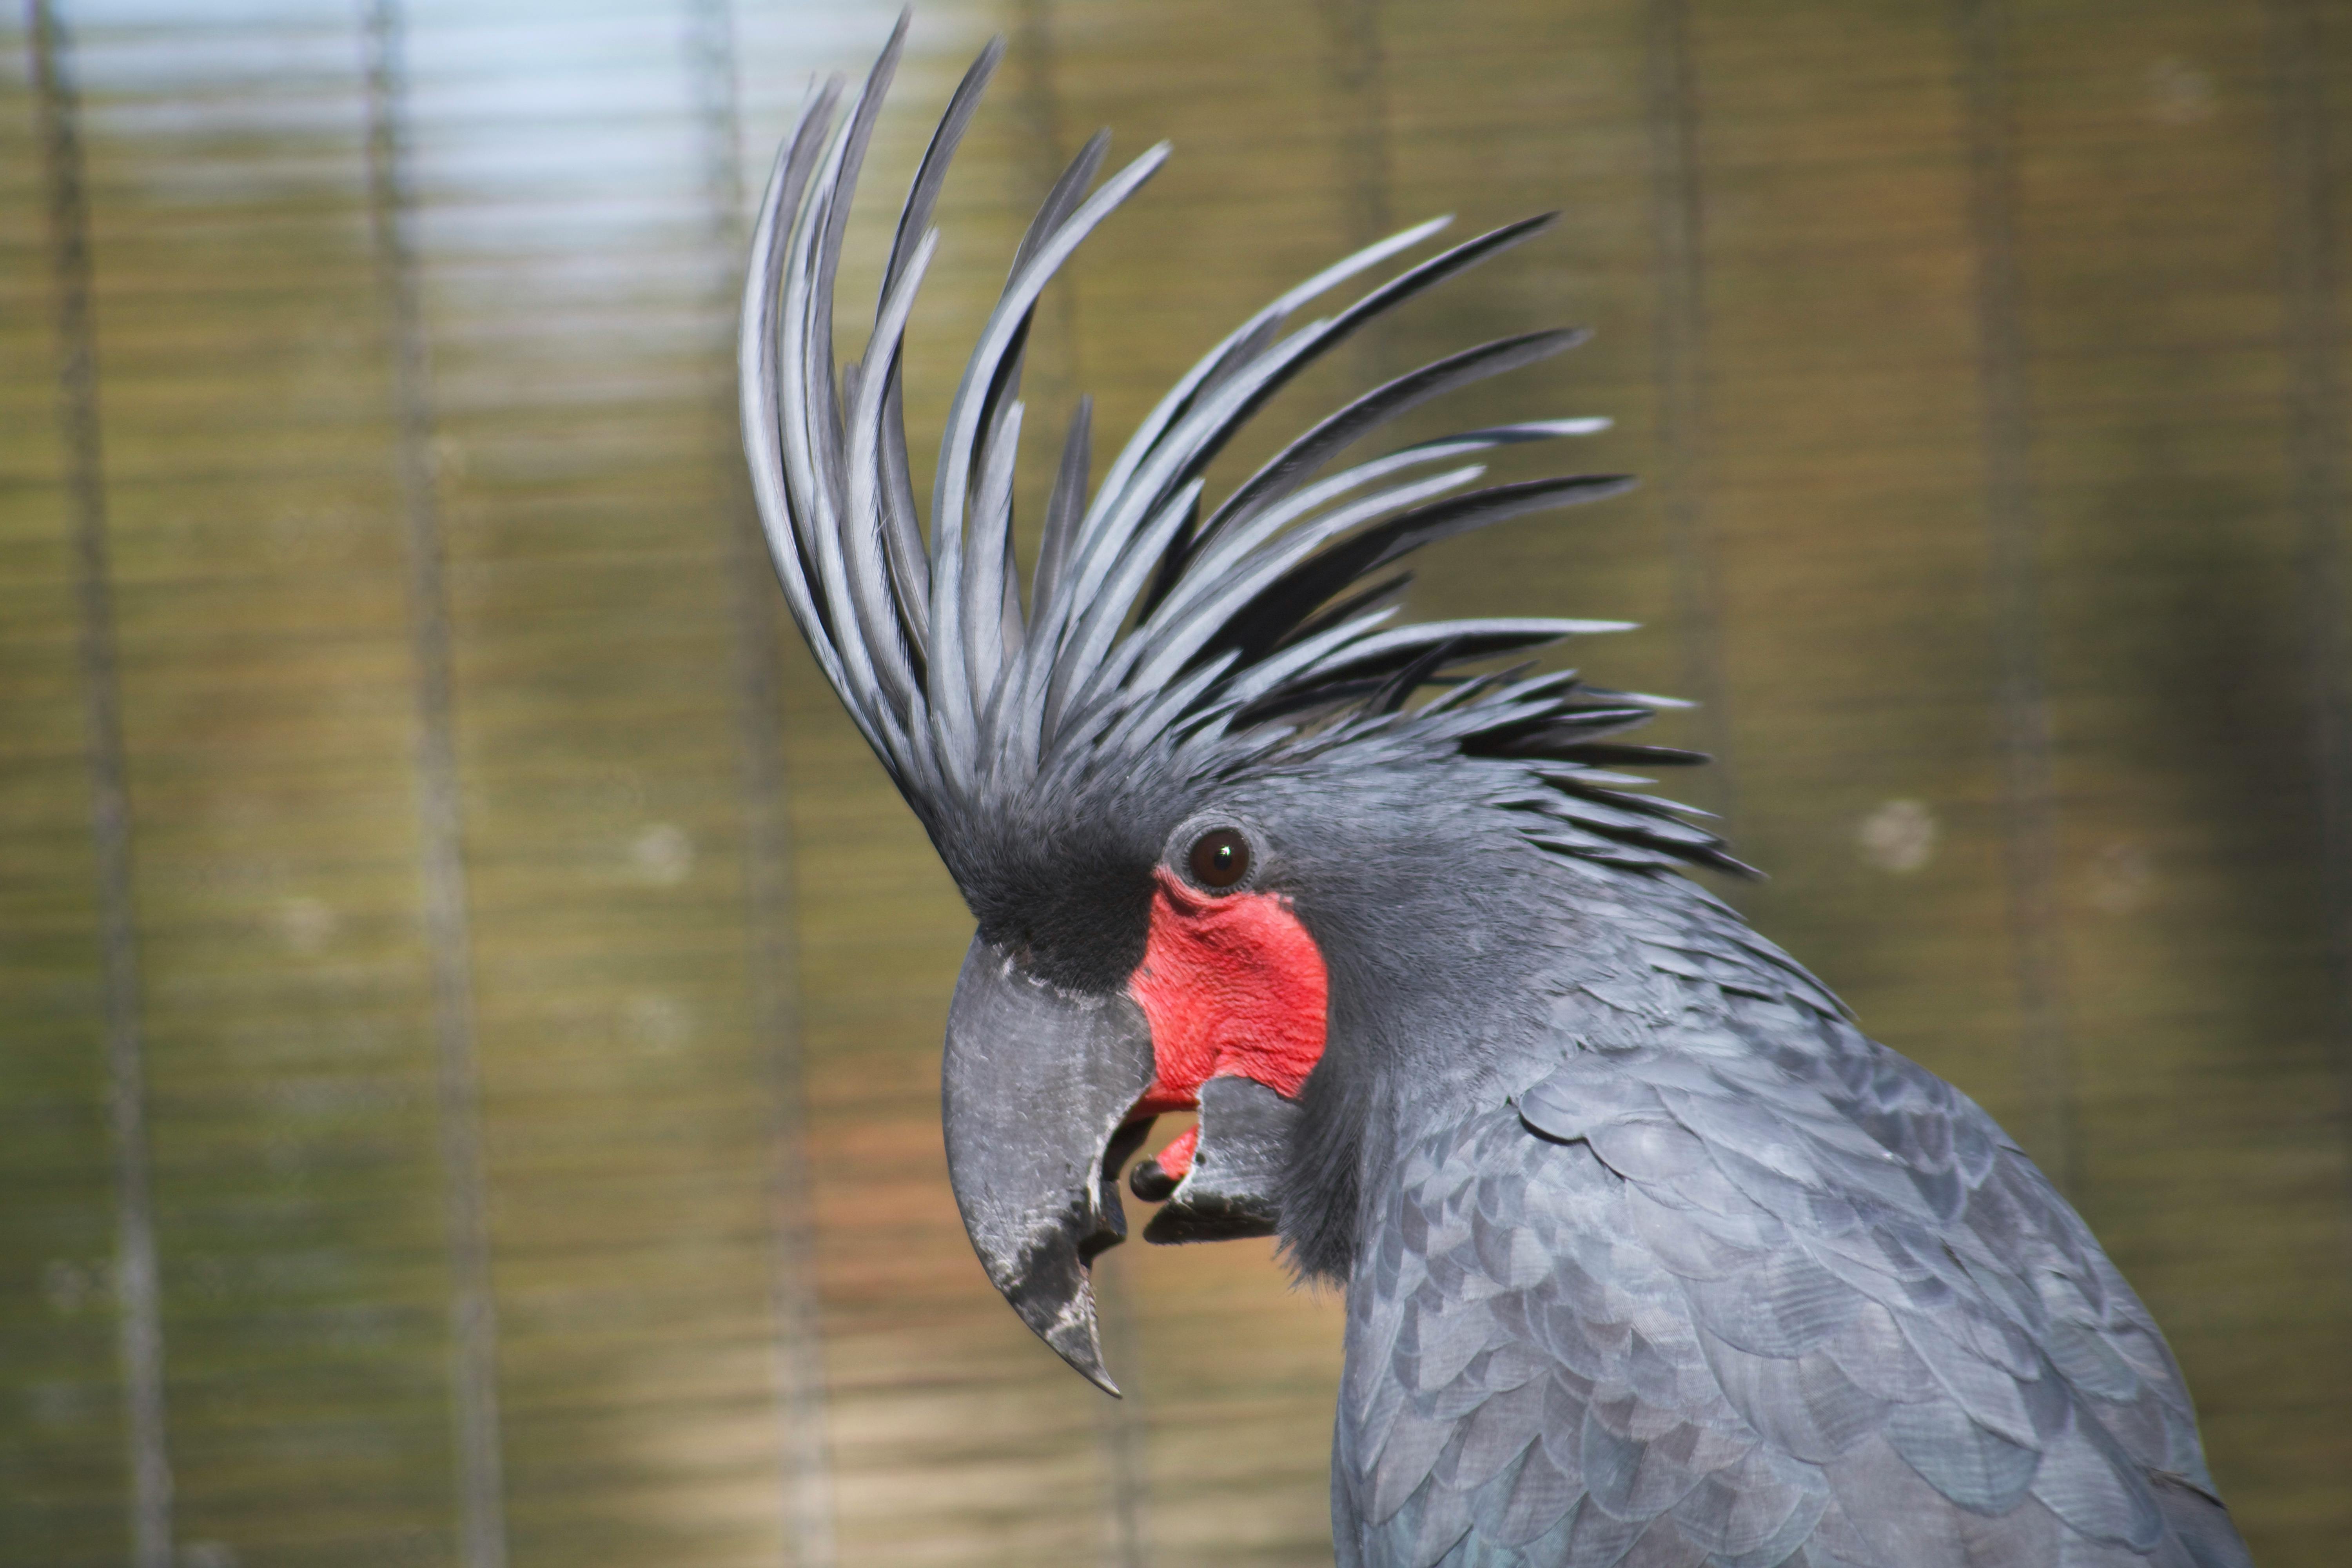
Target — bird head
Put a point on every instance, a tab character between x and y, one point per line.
1209	825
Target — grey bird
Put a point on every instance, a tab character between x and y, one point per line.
1650	1258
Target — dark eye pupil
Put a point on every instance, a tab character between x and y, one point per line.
1220	858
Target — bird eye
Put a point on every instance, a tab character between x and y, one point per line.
1219	858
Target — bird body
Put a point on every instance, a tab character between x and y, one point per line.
1714	1279
1650	1258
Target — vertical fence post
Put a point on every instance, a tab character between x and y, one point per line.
473	1311
137	1289
2316	431
1118	1425
2013	535
1679	366
762	785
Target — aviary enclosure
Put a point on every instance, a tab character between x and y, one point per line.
468	1070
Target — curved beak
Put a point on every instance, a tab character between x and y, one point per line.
1036	1088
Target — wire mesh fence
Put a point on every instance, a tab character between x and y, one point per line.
467	1084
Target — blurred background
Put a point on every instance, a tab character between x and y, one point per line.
467	1074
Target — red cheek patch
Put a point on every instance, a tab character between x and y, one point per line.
1232	987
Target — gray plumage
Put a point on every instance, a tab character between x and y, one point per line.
1651	1256
1153	636
1729	1283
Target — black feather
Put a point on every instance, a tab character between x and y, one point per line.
1269	620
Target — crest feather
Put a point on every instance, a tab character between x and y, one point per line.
1154	636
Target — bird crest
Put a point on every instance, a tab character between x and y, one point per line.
1159	633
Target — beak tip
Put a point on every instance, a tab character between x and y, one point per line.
1088	1364
1069	1326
